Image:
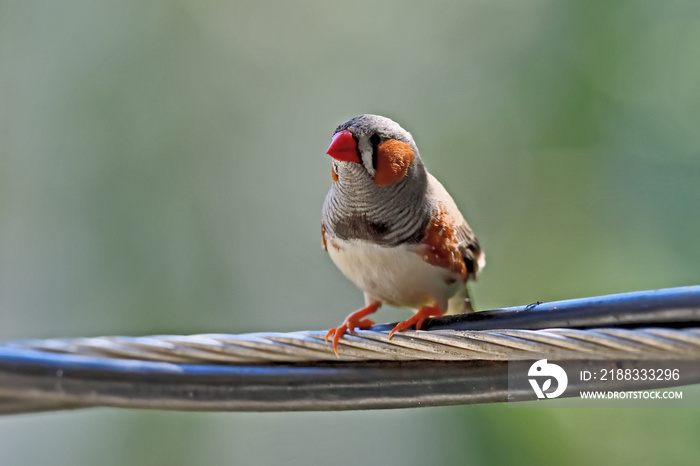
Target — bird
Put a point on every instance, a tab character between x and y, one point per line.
392	229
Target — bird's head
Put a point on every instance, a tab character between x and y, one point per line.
372	147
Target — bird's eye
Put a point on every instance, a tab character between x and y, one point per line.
374	139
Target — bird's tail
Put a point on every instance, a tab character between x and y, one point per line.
460	303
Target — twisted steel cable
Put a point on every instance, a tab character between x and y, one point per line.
458	359
364	345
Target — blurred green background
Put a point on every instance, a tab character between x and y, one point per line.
162	170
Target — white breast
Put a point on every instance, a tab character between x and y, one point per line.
394	275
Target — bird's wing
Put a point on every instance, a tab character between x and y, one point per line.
467	243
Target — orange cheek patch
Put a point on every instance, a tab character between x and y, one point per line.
441	248
334	175
393	159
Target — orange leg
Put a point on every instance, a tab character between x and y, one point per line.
423	313
353	321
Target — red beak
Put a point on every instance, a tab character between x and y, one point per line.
343	147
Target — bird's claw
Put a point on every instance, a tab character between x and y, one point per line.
418	318
353	321
348	326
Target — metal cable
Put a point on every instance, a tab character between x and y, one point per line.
441	345
458	360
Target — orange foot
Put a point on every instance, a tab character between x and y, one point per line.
423	313
353	321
